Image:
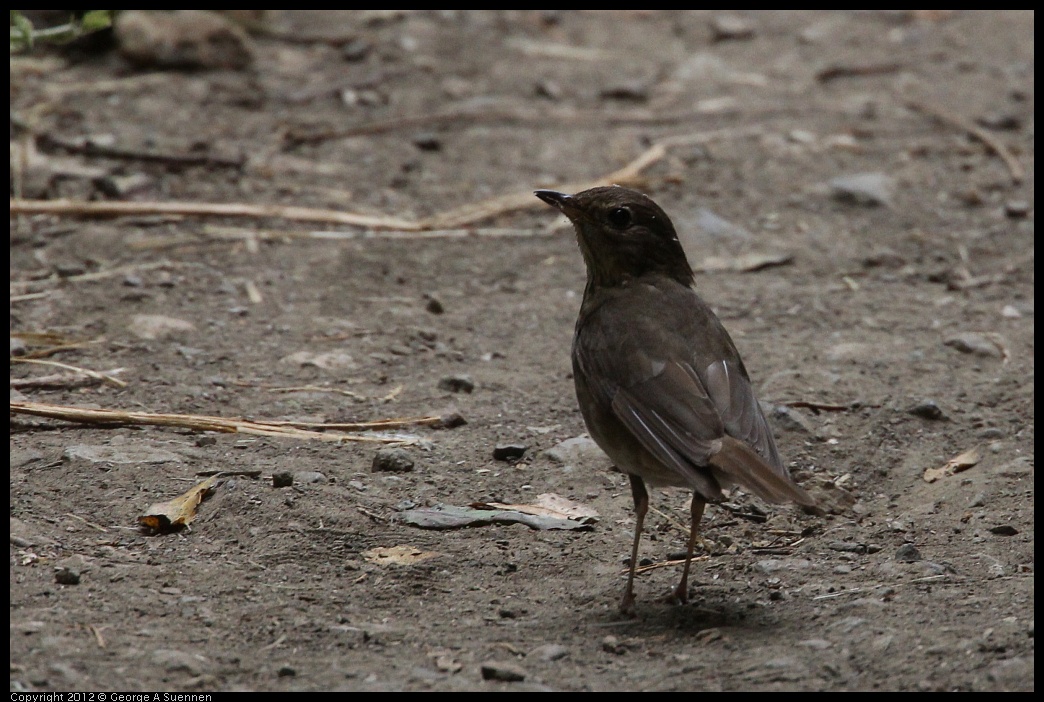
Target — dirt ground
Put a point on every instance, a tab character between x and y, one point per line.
855	190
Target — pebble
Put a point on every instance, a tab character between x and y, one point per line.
356	49
506	452
433	304
1016	209
309	477
579	449
282	479
182	39
975	343
730	28
632	92
286	671
549	652
392	460
865	189
451	420
789	419
122	455
157	326
172	661
427	141
457	383
927	410
67	576
548	89
503	671
907	553
1004	530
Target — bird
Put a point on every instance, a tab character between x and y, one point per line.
660	384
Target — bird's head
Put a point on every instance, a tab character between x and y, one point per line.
622	235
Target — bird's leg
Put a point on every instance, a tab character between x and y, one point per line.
681	593
641	506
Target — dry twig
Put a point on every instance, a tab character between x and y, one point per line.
104	376
457	218
992	143
221	424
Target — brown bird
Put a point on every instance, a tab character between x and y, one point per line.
660	384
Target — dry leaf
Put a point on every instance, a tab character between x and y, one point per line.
745	263
397	555
955	465
548	504
179	512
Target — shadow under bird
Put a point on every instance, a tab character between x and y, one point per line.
660	384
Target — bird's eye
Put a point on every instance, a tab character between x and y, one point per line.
620	218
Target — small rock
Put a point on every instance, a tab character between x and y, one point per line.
579	449
1021	467
815	644
132	281
631	91
282	479
433	304
174	661
1016	209
66	576
611	644
865	189
392	460
356	49
503	671
907	553
182	39
1011	312
884	258
329	361
286	671
927	410
123	185
309	477
718	227
124	455
549	652
730	27
427	141
68	269
774	565
156	326
789	419
548	89
1004	530
976	343
1000	121
457	383
507	452
450	420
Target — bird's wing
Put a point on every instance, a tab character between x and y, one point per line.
729	389
674	420
687	425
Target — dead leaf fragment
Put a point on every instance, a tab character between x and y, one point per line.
744	263
397	555
548	505
955	465
179	512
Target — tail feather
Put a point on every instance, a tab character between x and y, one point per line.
741	465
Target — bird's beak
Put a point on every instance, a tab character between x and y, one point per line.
561	201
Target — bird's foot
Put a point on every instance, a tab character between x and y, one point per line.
677	596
